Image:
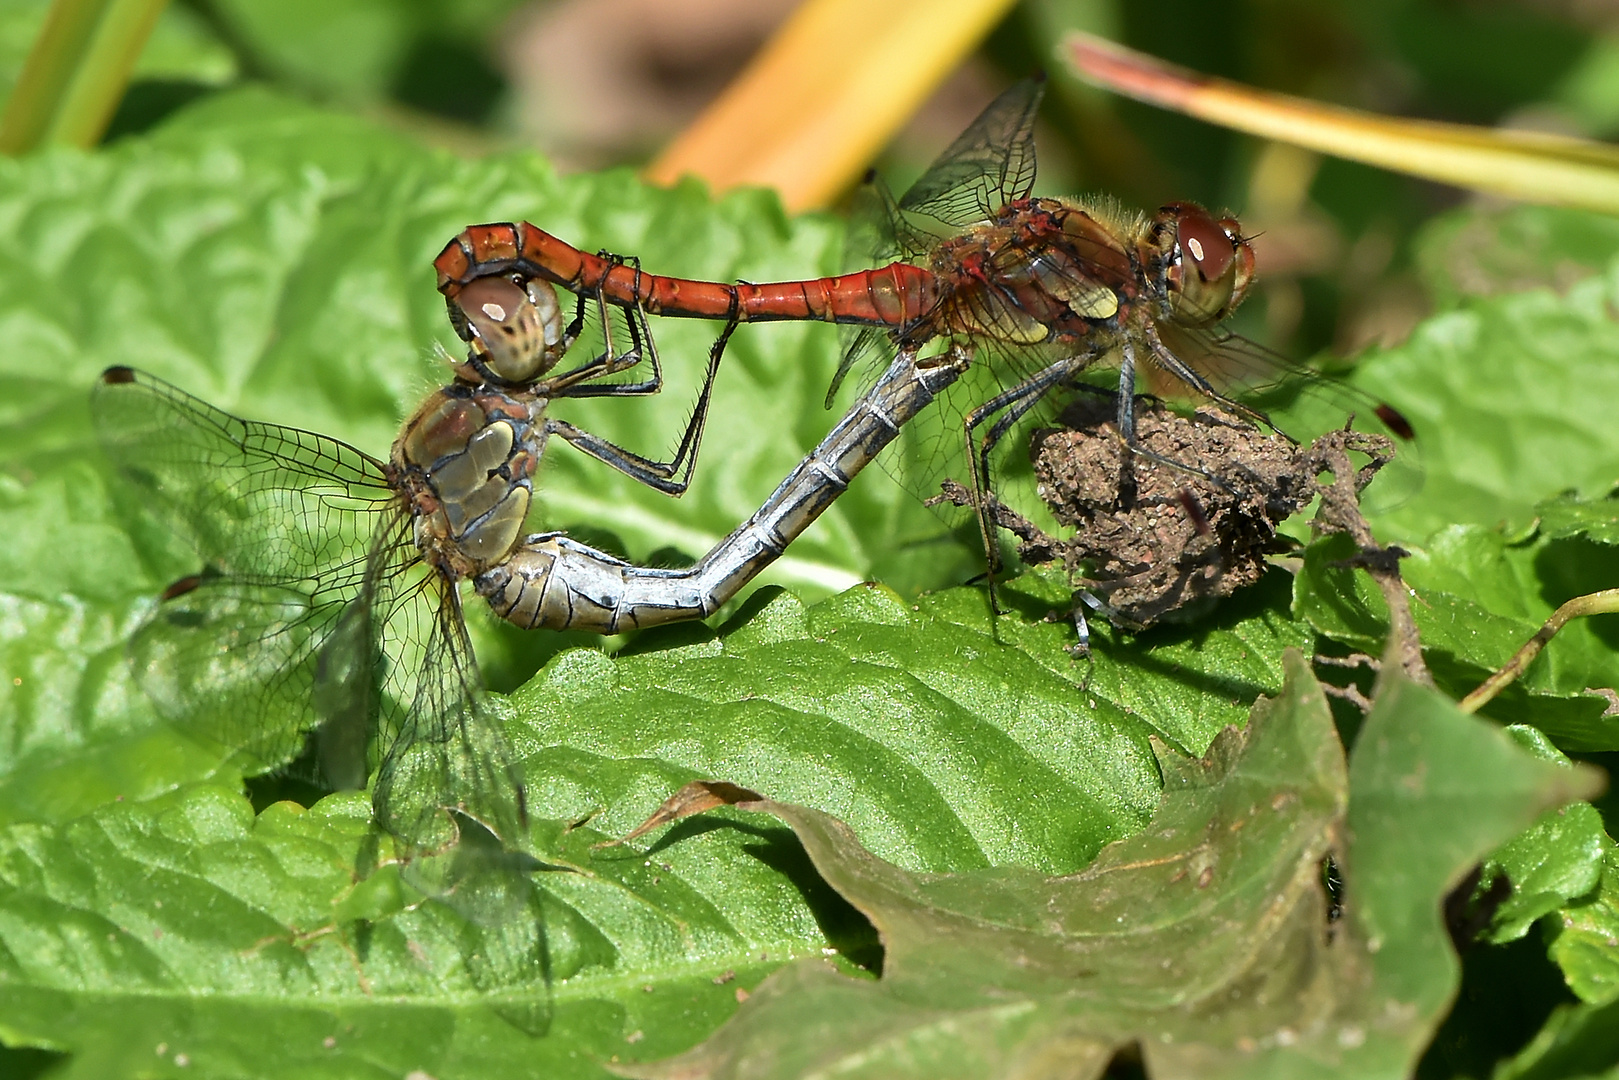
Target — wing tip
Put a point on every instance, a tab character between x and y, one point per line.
118	375
1395	421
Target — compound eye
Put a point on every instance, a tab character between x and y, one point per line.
514	336
1209	267
1205	244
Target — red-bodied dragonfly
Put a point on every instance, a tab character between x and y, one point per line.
1037	290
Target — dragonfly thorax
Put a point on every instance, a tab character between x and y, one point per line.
465	461
514	326
1044	270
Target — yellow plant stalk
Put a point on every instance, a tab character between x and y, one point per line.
825	94
76	73
1531	166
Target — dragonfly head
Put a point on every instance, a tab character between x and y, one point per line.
1207	264
513	325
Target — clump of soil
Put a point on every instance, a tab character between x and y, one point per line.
1187	517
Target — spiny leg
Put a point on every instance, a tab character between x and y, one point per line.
1012	405
573	383
1127	414
670	477
1177	367
1127	422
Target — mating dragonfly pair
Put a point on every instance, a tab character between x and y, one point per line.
329	608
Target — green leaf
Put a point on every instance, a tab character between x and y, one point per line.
953	751
1202	940
953	740
1556	860
866	705
1476	602
79	732
1501	394
1481	252
184	932
1585	937
1597	520
1578	1041
358	49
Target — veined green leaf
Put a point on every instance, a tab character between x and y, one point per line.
1203	942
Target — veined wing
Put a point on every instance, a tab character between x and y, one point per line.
448	790
257	501
282	521
1297	399
446	786
1243	368
989	165
315	616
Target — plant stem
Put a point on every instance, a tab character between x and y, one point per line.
825	94
1597	603
76	73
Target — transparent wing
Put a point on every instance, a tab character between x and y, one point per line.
259	501
1247	370
989	165
247	653
314	615
868	238
1296	398
448	789
234	662
447	786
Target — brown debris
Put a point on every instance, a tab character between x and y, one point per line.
694	798
1191	514
1340	512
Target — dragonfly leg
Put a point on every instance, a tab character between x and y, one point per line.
1127	420
567	384
1008	407
1178	368
671	477
575	382
1127	393
575	327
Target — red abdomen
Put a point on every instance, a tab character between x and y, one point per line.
896	295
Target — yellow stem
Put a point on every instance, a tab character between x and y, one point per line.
76	73
1531	166
825	94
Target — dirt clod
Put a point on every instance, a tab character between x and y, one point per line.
1186	518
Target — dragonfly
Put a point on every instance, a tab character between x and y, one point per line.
329	610
327	616
1039	290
